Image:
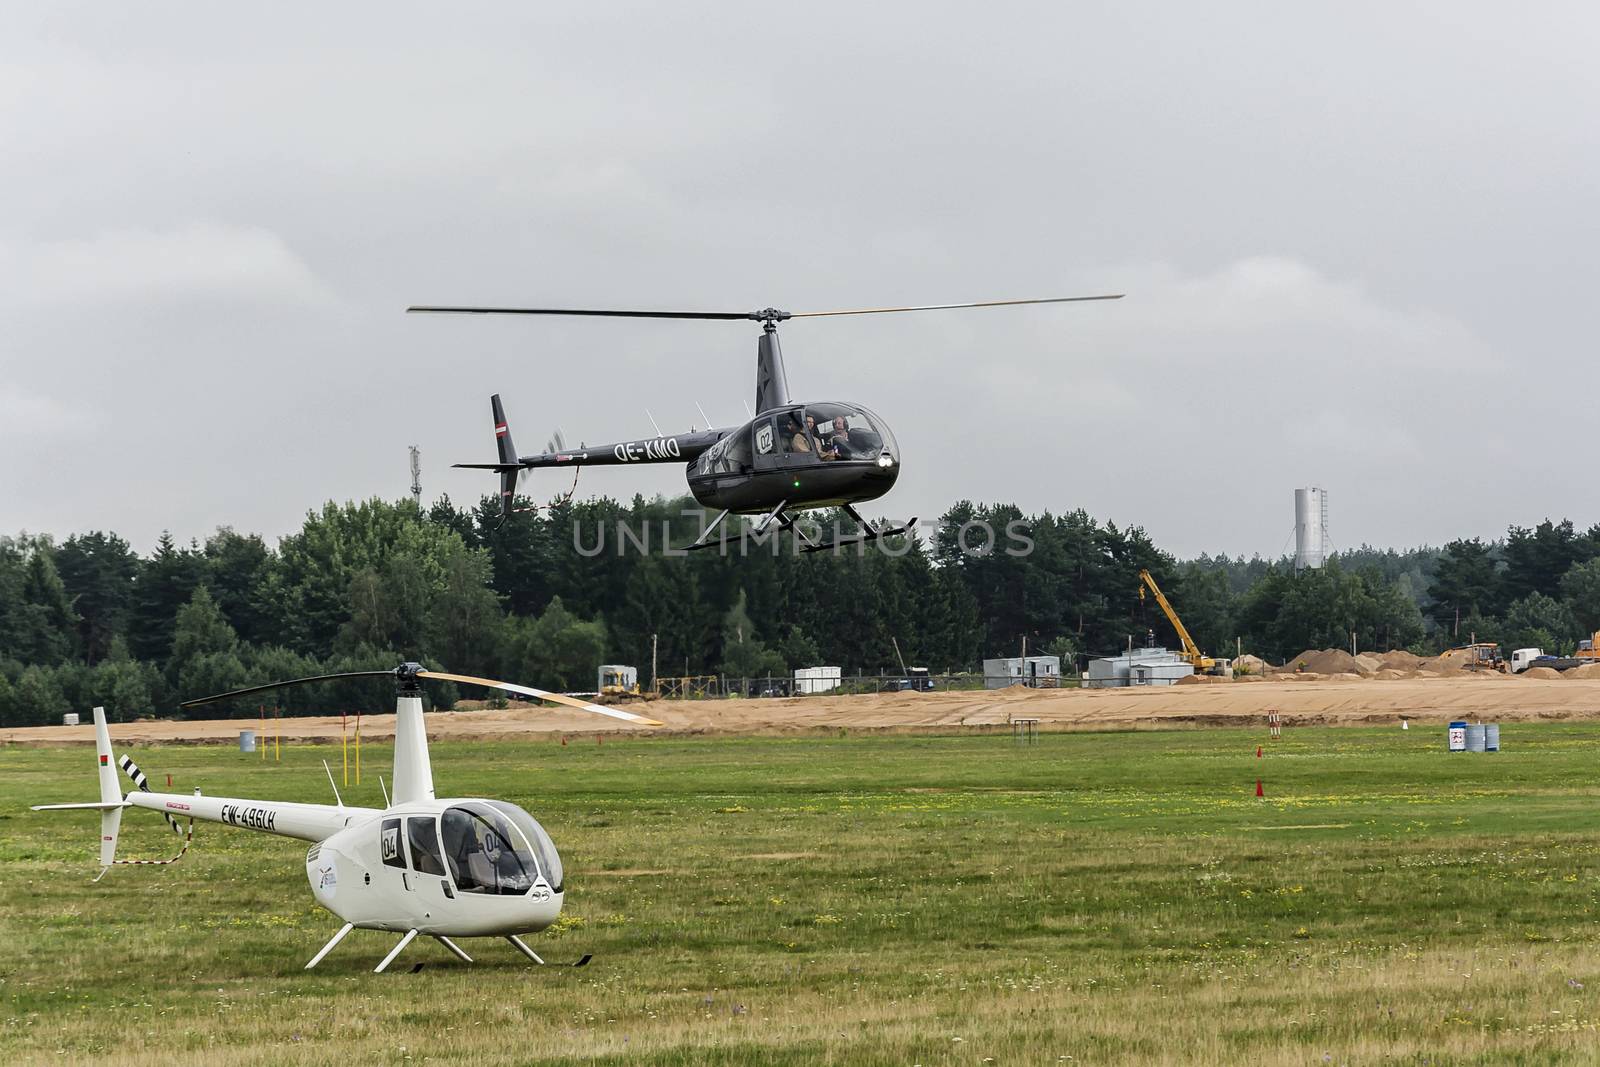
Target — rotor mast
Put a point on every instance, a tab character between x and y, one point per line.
772	379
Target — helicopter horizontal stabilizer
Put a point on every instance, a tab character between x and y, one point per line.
88	805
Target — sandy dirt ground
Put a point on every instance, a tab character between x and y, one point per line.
1345	700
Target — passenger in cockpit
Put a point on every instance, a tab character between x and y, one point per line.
797	438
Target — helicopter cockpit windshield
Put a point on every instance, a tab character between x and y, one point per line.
490	848
543	848
849	432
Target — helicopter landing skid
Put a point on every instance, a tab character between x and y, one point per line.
868	533
522	947
704	540
455	949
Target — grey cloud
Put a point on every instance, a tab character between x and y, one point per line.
1357	242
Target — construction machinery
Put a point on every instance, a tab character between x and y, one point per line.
1589	649
1478	656
618	680
1191	654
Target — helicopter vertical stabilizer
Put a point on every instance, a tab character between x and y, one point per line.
413	771
110	789
772	381
111	800
508	455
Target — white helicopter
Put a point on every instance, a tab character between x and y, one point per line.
460	867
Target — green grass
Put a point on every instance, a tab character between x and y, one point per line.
1095	898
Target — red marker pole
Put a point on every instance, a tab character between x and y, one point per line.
1259	793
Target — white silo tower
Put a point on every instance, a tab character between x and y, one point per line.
1310	528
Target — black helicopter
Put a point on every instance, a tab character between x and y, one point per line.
790	457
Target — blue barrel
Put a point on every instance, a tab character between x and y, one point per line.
1491	737
1458	737
247	740
1475	737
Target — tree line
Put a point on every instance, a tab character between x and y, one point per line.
547	595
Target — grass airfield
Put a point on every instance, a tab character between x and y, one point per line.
926	899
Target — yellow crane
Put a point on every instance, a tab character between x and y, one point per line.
1202	663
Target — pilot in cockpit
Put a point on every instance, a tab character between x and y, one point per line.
837	446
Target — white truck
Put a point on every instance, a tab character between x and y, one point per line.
1523	658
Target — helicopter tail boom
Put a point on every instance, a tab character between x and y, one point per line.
310	822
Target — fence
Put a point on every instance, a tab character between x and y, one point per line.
706	687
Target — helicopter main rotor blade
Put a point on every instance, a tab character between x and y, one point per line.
280	685
944	307
602	313
765	315
540	694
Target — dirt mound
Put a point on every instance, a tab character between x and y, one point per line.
1190	679
1251	664
1326	661
1441	665
1389	674
1369	663
1541	672
1588	670
1400	660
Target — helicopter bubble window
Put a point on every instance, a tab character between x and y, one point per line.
543	847
422	833
845	431
486	852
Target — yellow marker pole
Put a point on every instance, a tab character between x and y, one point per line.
277	735
262	735
344	747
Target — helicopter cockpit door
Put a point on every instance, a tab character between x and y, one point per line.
392	850
764	440
781	442
428	877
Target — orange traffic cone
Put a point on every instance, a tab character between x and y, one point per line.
1258	752
1259	793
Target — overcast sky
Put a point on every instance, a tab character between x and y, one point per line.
1358	242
